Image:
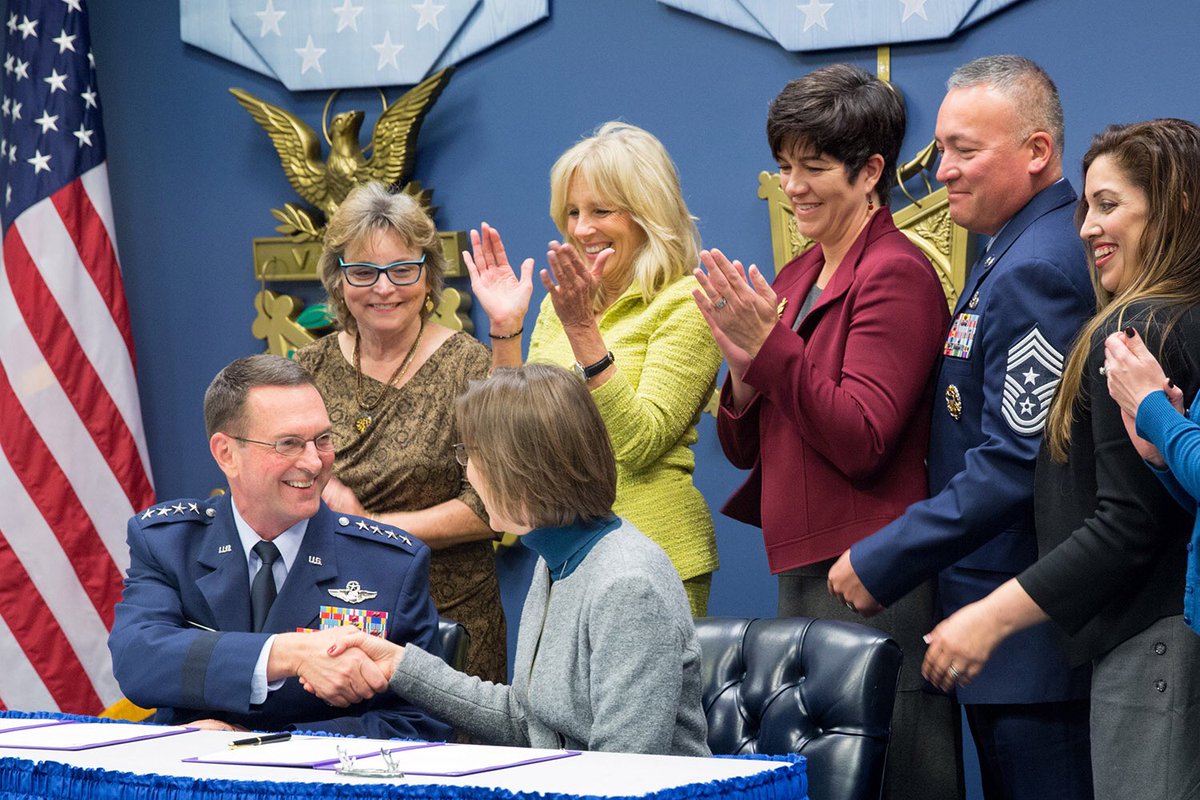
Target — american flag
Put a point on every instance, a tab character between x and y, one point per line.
73	461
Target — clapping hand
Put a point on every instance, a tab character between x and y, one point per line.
574	294
741	312
503	296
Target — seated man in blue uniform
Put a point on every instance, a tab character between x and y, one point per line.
221	594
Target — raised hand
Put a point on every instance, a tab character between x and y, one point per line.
1131	370
503	295
574	294
741	309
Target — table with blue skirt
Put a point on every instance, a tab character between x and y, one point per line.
156	763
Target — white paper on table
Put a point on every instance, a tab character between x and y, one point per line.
454	760
303	751
14	724
85	735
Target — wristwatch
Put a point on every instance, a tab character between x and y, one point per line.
592	370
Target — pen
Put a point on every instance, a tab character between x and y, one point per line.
257	740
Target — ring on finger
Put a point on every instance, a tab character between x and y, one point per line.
954	673
721	303
850	606
1104	369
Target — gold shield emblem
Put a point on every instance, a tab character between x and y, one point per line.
953	401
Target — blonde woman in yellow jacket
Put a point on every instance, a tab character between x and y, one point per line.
619	310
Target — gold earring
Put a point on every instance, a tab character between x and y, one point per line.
428	304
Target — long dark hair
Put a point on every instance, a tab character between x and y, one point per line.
1162	159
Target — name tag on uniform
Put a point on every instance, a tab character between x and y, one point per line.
962	336
372	622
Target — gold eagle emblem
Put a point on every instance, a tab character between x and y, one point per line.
325	183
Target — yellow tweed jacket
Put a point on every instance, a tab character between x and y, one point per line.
667	363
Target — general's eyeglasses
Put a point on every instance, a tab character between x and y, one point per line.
400	273
460	454
292	446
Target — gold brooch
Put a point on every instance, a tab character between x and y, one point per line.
953	401
779	309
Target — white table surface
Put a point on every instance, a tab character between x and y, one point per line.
604	774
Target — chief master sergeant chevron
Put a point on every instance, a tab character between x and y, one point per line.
205	635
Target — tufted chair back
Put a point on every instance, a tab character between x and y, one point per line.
454	642
816	687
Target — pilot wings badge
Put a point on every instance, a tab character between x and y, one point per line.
325	184
353	593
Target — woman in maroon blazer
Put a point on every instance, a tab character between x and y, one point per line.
829	390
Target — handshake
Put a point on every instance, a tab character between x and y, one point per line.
342	666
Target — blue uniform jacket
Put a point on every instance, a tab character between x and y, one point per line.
1022	305
188	569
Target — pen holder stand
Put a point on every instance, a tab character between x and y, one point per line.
388	770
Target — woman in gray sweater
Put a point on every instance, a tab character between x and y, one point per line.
607	656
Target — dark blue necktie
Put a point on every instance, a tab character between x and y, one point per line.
262	590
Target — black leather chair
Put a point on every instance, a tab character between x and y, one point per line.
820	688
454	641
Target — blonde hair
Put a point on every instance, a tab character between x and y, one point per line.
537	438
369	209
1162	159
629	168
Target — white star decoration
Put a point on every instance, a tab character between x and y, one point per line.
1026	406
270	19
1030	376
814	13
347	16
28	28
40	162
429	14
73	5
64	43
47	121
387	51
914	7
311	55
22	69
89	97
83	135
12	23
16	110
8	63
57	82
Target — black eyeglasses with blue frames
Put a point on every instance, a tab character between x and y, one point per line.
400	273
292	446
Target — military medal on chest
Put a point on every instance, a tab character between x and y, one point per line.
954	401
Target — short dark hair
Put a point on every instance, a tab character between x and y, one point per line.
842	111
537	438
225	398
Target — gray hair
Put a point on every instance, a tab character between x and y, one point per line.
1025	83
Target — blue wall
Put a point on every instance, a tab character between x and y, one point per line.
193	177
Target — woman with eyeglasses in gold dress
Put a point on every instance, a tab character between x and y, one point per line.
389	376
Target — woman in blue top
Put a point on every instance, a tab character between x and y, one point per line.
1152	408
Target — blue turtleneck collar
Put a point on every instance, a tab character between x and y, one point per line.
565	548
